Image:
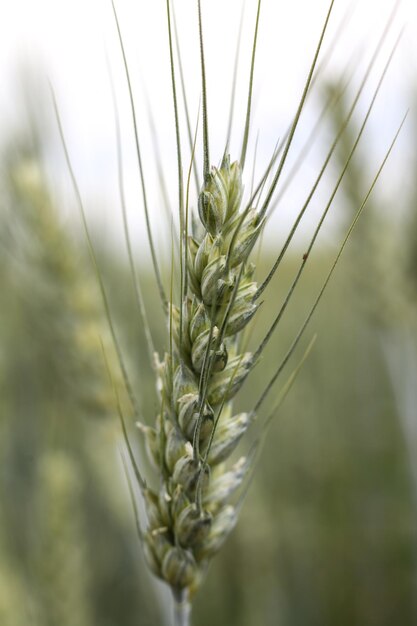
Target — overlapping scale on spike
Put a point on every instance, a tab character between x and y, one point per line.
196	430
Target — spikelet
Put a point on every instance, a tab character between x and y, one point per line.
196	430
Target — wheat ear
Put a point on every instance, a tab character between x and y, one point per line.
190	516
193	507
192	511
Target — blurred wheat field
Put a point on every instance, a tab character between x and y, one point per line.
328	534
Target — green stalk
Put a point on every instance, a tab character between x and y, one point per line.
182	608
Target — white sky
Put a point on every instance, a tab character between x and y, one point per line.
65	42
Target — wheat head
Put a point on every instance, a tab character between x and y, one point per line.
193	503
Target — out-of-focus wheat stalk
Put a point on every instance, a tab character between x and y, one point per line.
54	378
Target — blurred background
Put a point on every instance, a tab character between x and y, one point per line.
328	533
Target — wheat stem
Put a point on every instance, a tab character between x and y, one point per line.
182	608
